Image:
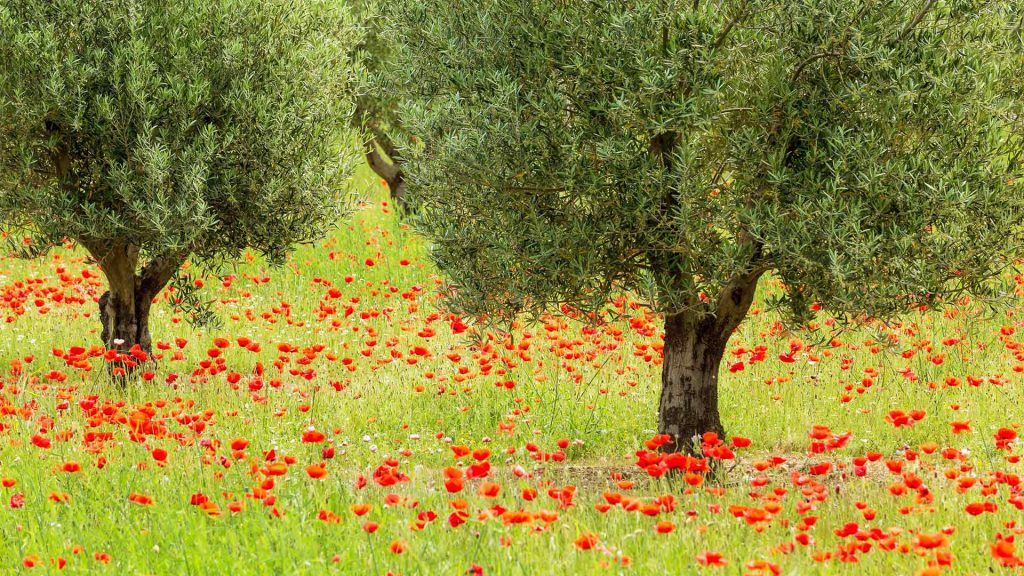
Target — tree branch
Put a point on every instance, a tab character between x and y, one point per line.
389	171
158	272
386	143
800	67
736	298
728	27
718	173
917	20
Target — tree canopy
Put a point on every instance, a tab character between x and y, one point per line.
864	152
149	132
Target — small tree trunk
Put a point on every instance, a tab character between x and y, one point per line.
125	327
694	348
689	380
389	170
124	308
397	188
143	303
126	324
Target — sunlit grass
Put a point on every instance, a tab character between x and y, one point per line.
596	389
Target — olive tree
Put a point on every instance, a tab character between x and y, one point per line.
862	151
152	132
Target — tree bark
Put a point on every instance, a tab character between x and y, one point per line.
125	307
689	381
693	352
382	153
389	171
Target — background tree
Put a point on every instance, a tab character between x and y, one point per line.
151	132
860	150
376	115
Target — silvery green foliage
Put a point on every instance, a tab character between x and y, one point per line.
195	126
377	107
568	149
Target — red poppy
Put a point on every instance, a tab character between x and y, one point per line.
586	541
708	558
316	470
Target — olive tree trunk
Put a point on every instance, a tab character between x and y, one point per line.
382	154
689	379
124	308
694	347
389	170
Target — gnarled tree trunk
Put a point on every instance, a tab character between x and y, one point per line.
389	171
694	348
124	308
382	153
689	379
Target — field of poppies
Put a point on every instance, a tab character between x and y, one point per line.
338	421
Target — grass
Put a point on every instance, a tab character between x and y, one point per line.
596	389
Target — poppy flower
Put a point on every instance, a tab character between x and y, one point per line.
665	527
930	541
328	516
586	541
140	499
489	490
709	558
316	470
313	436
